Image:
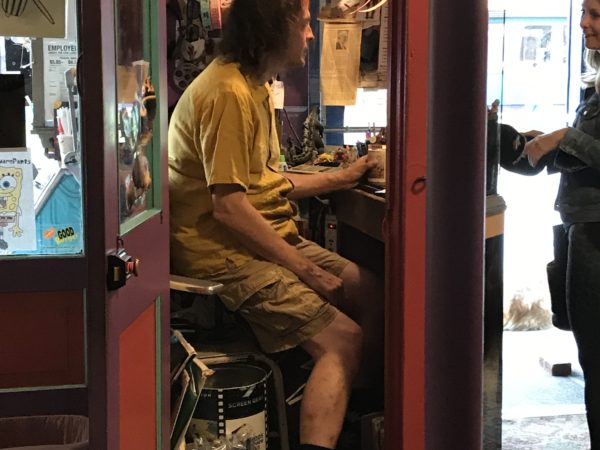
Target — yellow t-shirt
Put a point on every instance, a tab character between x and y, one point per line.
222	132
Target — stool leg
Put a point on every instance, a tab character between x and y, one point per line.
279	398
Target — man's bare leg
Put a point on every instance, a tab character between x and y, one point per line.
336	355
364	303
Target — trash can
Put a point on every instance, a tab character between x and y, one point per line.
55	432
233	400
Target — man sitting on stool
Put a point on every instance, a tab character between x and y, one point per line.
231	215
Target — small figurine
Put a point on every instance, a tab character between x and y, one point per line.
312	143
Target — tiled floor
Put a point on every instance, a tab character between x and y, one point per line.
541	411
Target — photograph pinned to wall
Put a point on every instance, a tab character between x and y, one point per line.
341	40
17	212
33	18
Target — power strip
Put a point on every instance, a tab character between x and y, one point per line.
331	233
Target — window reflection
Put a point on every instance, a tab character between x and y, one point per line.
136	109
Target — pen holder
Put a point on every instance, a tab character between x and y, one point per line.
67	148
377	174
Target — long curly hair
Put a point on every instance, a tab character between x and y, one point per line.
256	30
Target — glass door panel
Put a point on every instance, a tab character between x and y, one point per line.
40	143
136	110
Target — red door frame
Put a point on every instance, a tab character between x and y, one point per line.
405	226
434	224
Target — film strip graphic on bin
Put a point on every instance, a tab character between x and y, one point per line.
233	407
255	428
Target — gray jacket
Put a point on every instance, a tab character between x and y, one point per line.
577	157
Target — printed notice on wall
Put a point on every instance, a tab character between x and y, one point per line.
60	55
33	18
17	214
340	60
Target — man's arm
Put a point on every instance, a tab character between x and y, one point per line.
308	185
233	210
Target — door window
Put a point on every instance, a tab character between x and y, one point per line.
136	111
40	141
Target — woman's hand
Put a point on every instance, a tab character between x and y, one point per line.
542	144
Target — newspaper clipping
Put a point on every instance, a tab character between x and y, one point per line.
340	60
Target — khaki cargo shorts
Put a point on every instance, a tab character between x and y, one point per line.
282	311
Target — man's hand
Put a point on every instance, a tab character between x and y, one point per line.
233	210
324	283
543	144
350	176
321	183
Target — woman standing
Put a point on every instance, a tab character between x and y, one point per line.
575	152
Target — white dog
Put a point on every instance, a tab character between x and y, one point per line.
527	314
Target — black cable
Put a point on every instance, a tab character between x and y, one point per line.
291	128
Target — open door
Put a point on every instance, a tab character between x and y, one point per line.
83	325
129	302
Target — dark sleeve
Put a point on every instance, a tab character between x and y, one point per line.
578	151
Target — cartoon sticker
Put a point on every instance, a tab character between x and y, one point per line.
17	215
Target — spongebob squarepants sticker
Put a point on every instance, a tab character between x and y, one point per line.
17	215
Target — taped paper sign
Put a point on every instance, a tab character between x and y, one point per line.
59	56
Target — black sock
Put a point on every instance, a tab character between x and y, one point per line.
312	447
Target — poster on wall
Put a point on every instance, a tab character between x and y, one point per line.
60	55
33	18
17	213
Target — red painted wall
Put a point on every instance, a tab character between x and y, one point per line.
41	339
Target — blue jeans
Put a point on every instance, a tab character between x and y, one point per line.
583	302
